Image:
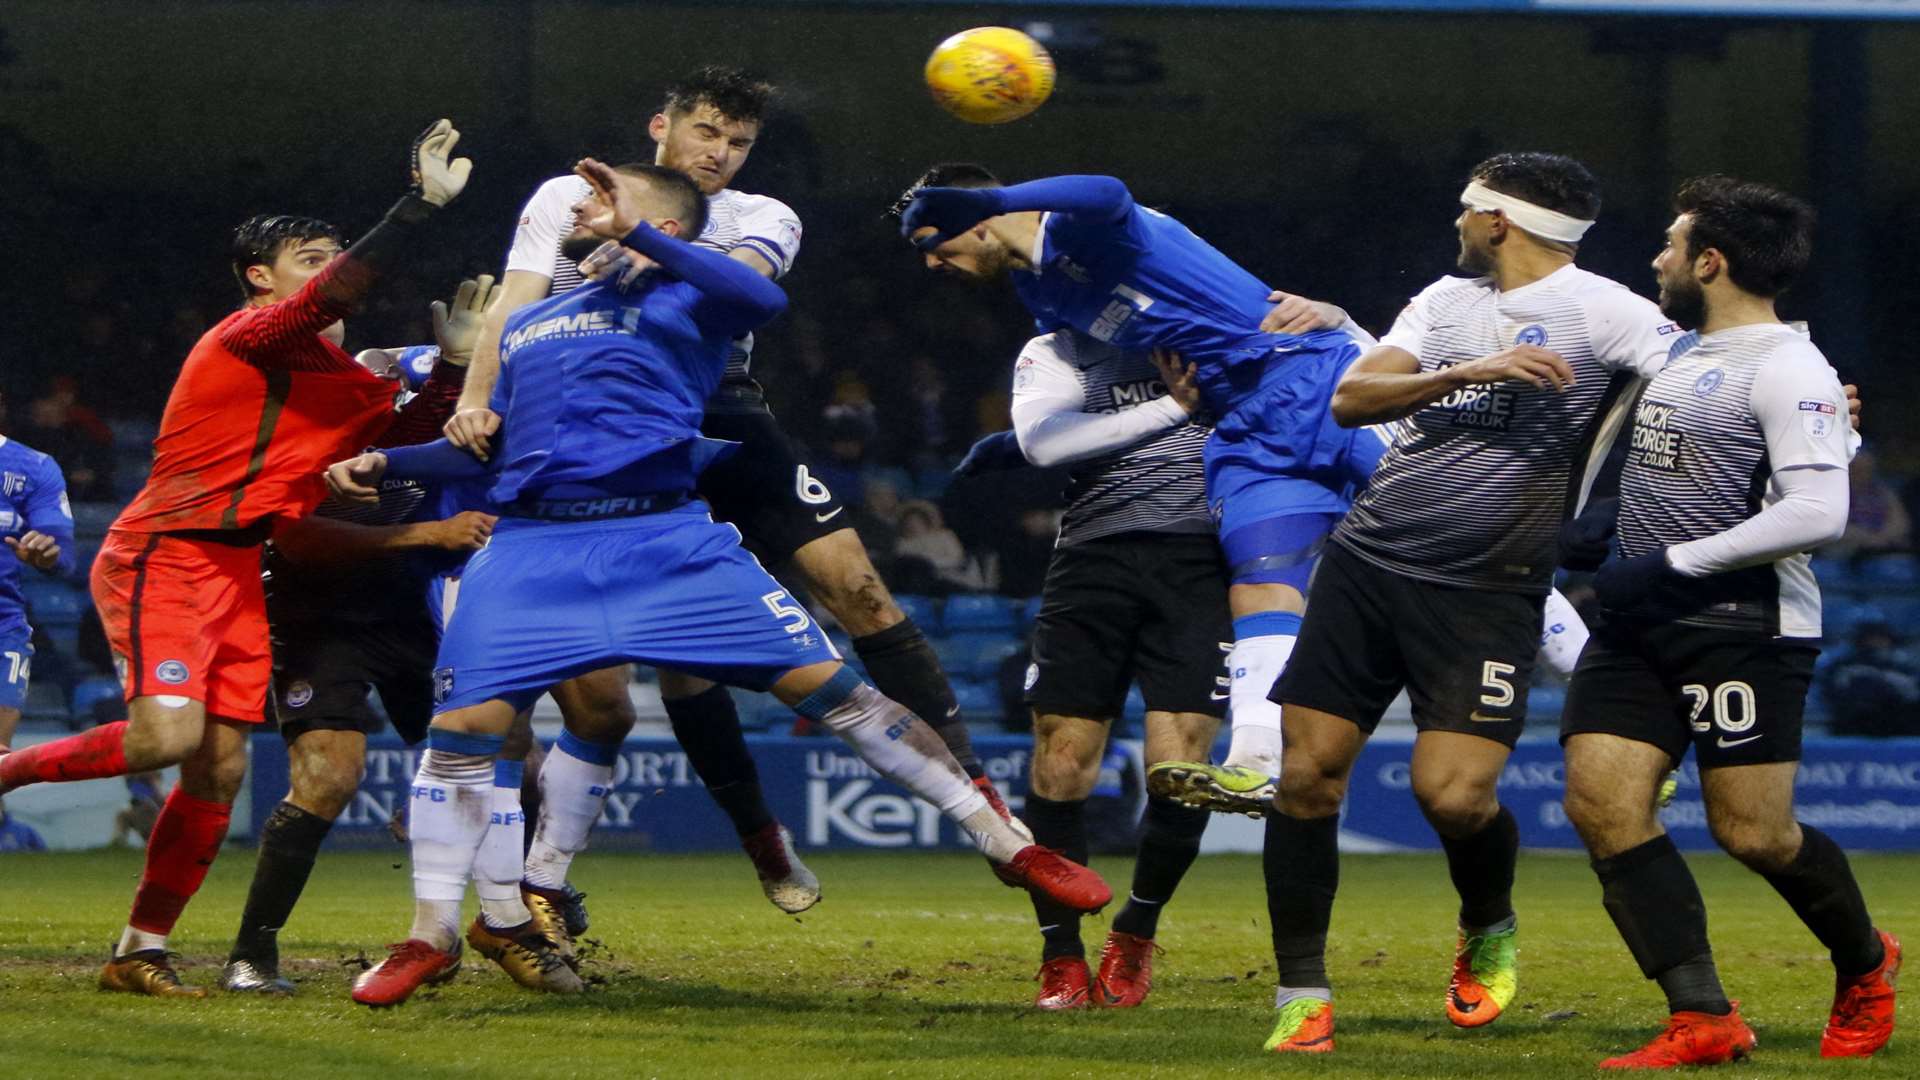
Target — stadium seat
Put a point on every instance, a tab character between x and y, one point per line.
53	603
924	611
92	518
1030	612
1888	570
979	700
134	435
974	613
1832	573
44	702
976	656
91	691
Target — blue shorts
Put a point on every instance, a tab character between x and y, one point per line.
16	665
1278	451
544	601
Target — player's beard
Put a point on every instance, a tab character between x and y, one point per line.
1474	260
1685	302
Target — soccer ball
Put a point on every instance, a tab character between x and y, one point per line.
990	75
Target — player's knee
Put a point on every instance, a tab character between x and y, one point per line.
1761	845
1064	767
162	737
217	779
1310	788
325	788
1459	808
1597	812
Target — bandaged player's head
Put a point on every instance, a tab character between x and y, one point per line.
1732	241
975	255
1525	200
667	199
709	123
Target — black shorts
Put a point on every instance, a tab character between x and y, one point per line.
1465	656
765	490
1738	697
323	671
1146	606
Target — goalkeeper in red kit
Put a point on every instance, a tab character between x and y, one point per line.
266	400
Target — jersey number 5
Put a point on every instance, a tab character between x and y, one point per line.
795	617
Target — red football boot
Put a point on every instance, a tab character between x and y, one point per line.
993	798
1692	1038
1063	984
1126	971
1045	872
409	966
1862	1018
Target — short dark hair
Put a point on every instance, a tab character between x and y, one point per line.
1765	234
956	174
1554	181
689	203
259	239
733	93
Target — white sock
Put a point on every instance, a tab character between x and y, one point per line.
906	750
447	819
496	866
574	782
1563	635
133	941
1255	664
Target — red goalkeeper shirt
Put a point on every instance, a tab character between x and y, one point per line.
263	404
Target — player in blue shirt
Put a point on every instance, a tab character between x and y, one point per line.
37	524
1083	255
603	555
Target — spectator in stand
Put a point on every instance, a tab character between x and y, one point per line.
1877	522
877	519
931	559
1024	556
1873	686
60	425
16	835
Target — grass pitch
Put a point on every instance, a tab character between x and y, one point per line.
914	966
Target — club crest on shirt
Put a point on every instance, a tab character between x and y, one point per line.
171	672
442	685
299	694
1708	382
12	483
1531	335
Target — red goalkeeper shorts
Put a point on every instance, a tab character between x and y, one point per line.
186	618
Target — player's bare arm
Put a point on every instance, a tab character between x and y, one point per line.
319	541
36	549
1387	383
473	425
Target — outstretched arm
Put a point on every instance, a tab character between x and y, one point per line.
261	336
952	211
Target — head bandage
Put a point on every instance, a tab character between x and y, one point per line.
1538	220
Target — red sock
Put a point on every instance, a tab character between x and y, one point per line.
89	755
186	837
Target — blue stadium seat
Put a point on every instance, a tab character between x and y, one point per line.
92	518
129	435
976	656
979	700
1889	570
924	611
91	691
65	638
1030	613
44	702
970	613
1832	573
51	602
